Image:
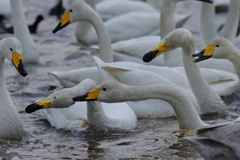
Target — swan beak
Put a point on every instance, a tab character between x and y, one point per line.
65	20
155	52
43	104
17	62
91	96
207	1
204	54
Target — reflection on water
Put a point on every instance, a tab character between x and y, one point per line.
152	139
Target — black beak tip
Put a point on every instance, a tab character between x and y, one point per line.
148	57
32	108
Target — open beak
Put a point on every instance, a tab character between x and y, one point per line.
207	1
65	20
43	104
204	54
17	62
155	52
91	96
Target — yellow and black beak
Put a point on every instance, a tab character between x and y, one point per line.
65	20
207	1
204	54
155	52
17	62
91	96
43	104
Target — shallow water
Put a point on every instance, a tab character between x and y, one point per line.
152	139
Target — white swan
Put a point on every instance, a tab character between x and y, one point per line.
11	127
207	25
21	31
113	91
207	98
221	48
114	115
221	140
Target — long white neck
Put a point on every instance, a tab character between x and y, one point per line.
186	114
21	31
167	24
105	48
208	27
229	30
10	124
208	100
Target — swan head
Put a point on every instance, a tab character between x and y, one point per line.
77	11
62	98
217	48
177	38
11	49
108	91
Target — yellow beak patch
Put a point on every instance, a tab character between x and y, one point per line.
160	48
65	19
44	103
16	58
209	50
93	94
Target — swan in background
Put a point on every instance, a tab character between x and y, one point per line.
21	31
221	48
11	127
208	100
218	141
5	7
113	91
60	109
145	22
207	25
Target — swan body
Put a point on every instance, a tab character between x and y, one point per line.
221	48
218	141
62	109
110	9
11	127
21	31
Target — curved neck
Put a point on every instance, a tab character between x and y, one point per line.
234	58
208	100
186	114
229	30
105	48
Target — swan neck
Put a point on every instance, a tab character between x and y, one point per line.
186	113
167	23
207	24
208	100
234	57
105	48
229	29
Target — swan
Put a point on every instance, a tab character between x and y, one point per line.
114	91
218	141
208	99
207	26
221	48
188	118
114	115
10	122
30	51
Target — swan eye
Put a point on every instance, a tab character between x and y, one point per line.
70	10
217	45
11	49
104	89
54	97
